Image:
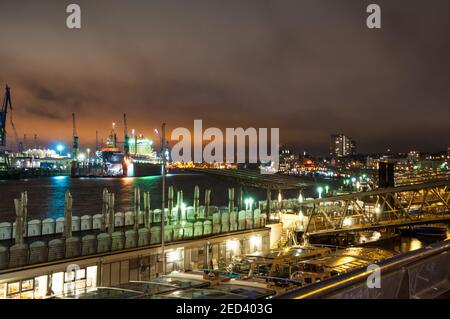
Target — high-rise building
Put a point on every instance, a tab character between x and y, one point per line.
413	156
342	145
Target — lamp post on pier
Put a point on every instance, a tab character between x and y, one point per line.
162	136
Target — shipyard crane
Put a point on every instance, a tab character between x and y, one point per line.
74	164
75	138
126	143
3	112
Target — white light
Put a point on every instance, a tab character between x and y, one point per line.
173	256
81	157
232	245
378	209
256	241
347	221
279	197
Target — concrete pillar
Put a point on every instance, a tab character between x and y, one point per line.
105	209
241	198
170	203
24	199
19	222
269	203
230	199
207	202
111	213
196	202
137	207
67	215
181	216
147	209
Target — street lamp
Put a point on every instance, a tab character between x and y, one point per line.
320	191
162	137
81	157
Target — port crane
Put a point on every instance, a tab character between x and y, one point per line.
74	164
3	112
126	143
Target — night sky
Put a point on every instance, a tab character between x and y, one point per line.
311	68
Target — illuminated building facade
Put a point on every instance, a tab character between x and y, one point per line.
342	145
141	146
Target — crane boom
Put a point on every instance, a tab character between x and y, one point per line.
3	112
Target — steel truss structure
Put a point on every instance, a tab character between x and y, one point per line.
390	207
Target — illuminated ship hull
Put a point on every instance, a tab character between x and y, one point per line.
116	165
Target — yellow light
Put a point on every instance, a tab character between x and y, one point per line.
279	197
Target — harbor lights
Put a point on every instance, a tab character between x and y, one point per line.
81	157
347	221
327	189
378	211
249	203
59	148
320	191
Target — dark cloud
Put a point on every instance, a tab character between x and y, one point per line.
310	67
40	112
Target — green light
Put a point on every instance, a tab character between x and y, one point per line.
320	190
248	203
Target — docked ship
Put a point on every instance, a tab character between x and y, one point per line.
137	158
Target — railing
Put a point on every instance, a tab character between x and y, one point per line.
423	273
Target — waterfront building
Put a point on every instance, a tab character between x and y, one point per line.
55	255
342	145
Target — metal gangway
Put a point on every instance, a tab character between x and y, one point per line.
410	205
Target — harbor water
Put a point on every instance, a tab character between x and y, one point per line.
46	195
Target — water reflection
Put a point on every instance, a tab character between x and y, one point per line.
46	195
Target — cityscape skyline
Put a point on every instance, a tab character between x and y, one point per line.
227	62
